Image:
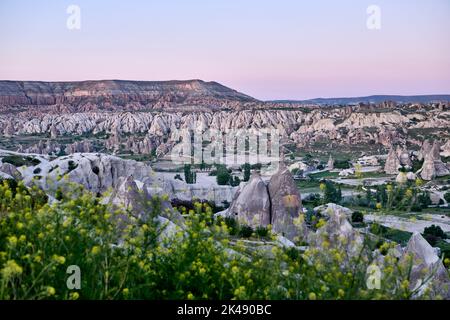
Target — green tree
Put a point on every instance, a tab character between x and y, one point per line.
189	176
447	197
223	175
331	193
246	167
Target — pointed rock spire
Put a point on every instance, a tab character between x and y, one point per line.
392	162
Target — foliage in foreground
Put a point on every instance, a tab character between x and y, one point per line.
123	257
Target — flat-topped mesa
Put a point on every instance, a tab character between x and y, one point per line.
105	94
392	162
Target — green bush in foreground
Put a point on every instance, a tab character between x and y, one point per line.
123	257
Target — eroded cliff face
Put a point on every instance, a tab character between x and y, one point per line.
132	95
144	117
141	132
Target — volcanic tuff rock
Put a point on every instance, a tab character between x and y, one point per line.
10	170
338	233
251	205
277	203
140	202
99	173
424	150
301	127
392	162
286	203
428	271
131	94
433	166
446	149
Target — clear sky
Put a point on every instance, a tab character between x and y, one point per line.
277	49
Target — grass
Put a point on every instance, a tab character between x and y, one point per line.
20	161
324	175
399	236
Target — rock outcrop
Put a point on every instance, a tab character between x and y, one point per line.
433	166
392	162
338	233
137	95
10	170
277	203
428	271
251	205
330	163
286	203
140	203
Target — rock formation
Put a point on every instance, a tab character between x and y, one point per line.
80	147
277	203
404	157
433	166
140	203
428	271
330	163
446	149
132	94
251	205
424	150
392	162
10	170
339	233
285	202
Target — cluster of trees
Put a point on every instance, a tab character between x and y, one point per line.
399	197
433	234
331	193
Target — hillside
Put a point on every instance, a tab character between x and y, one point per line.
152	94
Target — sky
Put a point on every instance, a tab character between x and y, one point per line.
269	49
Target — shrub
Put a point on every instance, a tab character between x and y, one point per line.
342	164
122	256
37	170
247	172
232	225
189	176
447	197
72	166
262	231
20	161
245	231
357	217
223	175
235	181
434	231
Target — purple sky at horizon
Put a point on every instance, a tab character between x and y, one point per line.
284	49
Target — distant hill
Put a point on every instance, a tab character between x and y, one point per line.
186	95
121	92
373	99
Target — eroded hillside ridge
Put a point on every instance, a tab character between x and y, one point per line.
117	94
142	132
